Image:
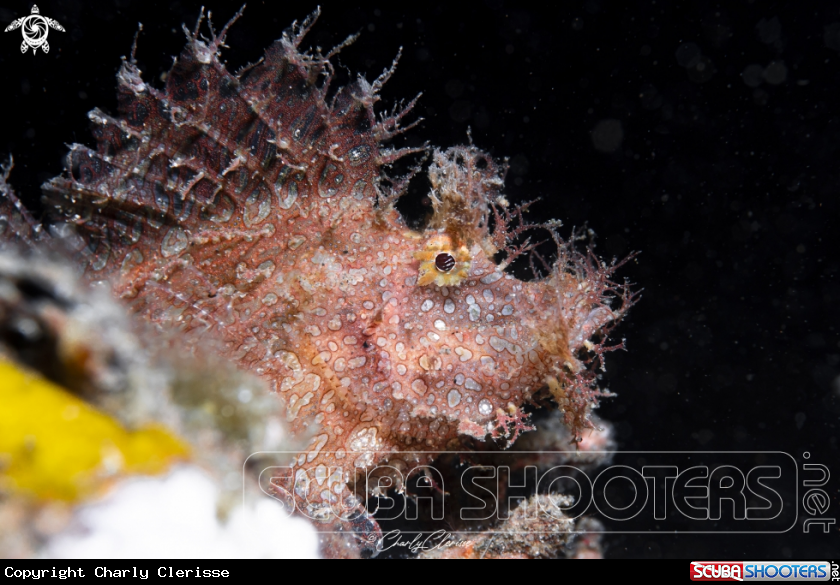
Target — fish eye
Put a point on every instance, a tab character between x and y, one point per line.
444	262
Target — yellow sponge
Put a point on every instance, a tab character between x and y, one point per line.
55	446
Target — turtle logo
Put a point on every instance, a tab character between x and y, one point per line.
35	28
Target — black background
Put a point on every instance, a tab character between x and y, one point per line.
726	179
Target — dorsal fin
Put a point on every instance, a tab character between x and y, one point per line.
16	223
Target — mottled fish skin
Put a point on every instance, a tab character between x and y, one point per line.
249	210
